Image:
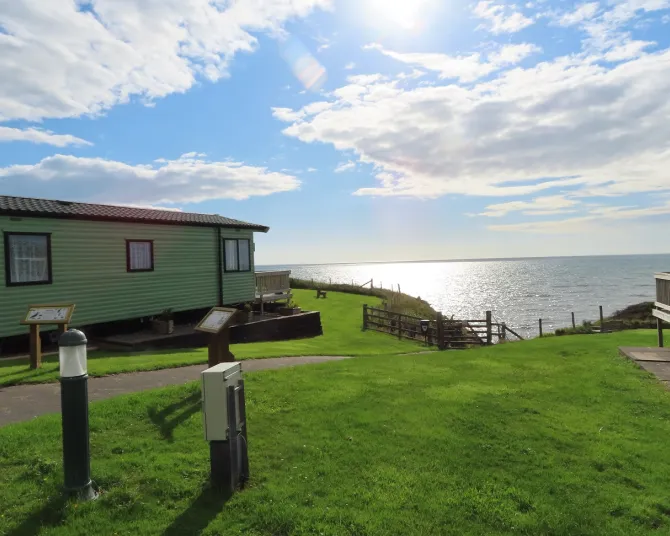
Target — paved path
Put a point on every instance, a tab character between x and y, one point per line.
23	402
654	360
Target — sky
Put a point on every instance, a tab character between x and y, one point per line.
357	130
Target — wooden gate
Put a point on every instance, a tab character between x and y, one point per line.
441	332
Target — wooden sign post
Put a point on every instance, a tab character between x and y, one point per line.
59	314
217	322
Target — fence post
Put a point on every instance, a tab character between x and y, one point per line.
503	335
372	283
602	322
365	316
489	328
399	326
540	327
440	332
573	320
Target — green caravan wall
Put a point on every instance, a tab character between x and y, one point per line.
89	269
239	287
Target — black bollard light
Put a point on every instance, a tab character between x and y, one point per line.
74	412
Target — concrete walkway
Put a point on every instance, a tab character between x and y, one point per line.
24	402
654	360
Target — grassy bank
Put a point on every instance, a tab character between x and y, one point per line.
555	436
636	316
340	317
393	301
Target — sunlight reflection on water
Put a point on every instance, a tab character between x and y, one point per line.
518	292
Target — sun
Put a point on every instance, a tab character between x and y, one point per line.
407	14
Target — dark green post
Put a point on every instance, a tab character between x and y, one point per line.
440	331
365	316
573	321
74	412
540	327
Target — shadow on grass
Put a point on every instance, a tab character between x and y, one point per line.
199	514
50	515
33	373
102	354
168	419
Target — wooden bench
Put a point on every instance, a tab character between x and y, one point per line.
610	326
321	294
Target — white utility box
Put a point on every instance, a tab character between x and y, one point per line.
215	383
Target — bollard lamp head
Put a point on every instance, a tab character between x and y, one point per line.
72	353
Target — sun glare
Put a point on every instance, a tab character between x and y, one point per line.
407	14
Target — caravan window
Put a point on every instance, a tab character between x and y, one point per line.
27	258
139	255
237	255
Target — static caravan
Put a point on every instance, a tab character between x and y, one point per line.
119	263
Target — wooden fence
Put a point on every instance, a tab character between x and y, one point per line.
445	333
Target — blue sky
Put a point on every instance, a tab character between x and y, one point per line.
357	130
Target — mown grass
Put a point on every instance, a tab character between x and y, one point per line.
397	302
341	318
557	436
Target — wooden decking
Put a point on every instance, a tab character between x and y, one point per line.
654	360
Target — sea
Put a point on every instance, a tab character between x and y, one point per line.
517	291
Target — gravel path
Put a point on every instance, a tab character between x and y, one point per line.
24	402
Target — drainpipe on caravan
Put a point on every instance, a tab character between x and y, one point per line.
219	264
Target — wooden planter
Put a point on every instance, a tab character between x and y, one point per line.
164	327
289	311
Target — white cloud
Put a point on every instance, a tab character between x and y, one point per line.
64	58
465	68
603	216
35	135
568	226
365	79
416	73
188	179
608	32
571	121
324	43
286	114
512	54
627	50
581	13
501	18
349	66
540	206
345	166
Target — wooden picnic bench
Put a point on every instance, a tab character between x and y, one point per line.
609	326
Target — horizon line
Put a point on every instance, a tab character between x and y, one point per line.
482	259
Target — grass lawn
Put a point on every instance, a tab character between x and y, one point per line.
555	436
341	318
